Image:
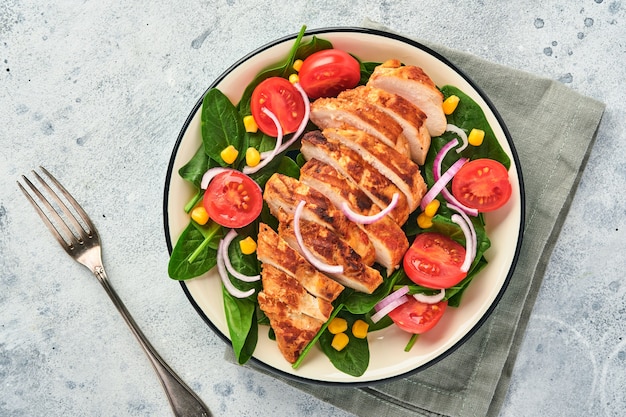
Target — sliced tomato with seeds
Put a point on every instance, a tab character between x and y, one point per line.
233	199
434	261
417	317
482	184
279	96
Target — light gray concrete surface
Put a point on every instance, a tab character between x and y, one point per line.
104	87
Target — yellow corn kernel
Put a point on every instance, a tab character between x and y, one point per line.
253	157
449	105
359	329
199	215
476	136
250	124
297	64
340	341
229	154
431	208
247	246
337	325
293	78
424	221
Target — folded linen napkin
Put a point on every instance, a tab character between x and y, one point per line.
552	128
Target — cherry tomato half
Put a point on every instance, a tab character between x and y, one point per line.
328	72
434	261
233	199
482	184
416	317
280	97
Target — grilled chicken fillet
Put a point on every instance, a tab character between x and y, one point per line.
351	165
388	239
283	193
406	114
273	250
400	170
327	247
358	114
415	85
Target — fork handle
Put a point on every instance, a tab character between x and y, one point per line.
184	402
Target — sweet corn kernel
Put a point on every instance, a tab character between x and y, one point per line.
337	325
199	215
340	341
293	78
297	64
424	221
476	136
229	154
359	329
250	124
449	104
253	157
247	246
431	208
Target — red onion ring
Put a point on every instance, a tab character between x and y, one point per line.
230	236
430	299
391	297
210	174
462	135
363	219
322	266
273	152
469	244
221	269
389	308
472	230
441	183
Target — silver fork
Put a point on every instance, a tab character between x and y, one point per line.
79	237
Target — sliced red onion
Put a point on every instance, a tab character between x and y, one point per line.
210	174
437	174
273	152
461	133
221	269
472	230
469	244
441	183
303	123
322	266
363	219
430	299
391	297
389	308
230	236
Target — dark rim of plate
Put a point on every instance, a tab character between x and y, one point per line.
322	31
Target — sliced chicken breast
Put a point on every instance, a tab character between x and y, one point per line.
351	165
398	168
282	194
388	239
415	85
275	251
338	113
327	247
293	329
405	113
287	289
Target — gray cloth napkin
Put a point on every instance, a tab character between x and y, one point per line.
552	128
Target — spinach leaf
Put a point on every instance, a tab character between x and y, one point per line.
367	68
193	170
282	165
469	115
242	327
355	357
221	126
194	253
361	303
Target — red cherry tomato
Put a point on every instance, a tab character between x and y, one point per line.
434	261
281	98
328	72
482	184
415	317
233	199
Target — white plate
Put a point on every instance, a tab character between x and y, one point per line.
388	359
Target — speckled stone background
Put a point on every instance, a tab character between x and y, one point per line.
97	92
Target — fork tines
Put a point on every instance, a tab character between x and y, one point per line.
62	221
